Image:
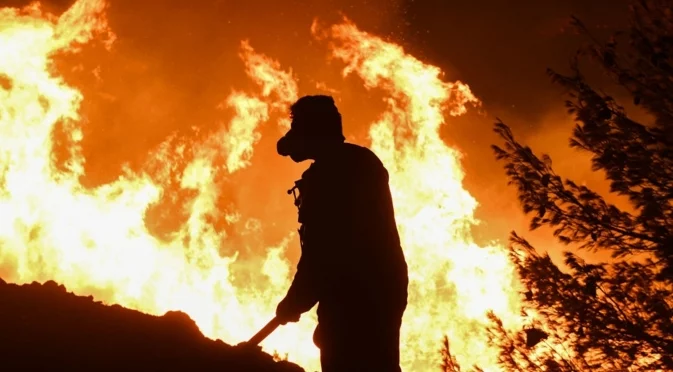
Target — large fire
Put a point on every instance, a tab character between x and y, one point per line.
95	240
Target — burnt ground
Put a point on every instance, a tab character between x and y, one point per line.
45	328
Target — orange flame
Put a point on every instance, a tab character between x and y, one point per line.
95	240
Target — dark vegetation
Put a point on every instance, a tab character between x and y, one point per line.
616	315
45	328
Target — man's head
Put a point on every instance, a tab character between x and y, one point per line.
316	125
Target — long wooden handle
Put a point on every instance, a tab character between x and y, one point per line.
264	332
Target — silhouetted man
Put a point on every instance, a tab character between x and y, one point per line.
352	263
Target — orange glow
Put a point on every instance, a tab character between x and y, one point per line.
95	240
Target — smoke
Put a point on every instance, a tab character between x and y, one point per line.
173	66
502	49
173	63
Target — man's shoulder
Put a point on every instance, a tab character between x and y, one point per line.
362	165
357	155
350	162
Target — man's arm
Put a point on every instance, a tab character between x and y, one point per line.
301	296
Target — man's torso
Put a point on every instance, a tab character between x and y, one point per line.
349	230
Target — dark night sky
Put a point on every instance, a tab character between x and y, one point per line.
502	48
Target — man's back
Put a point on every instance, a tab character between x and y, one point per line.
352	248
349	220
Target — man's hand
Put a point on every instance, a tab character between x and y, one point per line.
286	313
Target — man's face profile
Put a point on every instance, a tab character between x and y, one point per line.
299	148
295	144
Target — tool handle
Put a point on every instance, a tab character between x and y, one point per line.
264	332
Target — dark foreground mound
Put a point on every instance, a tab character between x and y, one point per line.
45	328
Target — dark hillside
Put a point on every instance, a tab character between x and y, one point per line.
46	328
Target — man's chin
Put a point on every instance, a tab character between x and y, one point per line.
298	158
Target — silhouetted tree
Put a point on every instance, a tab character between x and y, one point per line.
615	316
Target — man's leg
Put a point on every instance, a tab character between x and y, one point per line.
354	345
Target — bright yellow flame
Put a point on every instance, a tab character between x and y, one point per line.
278	85
95	241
